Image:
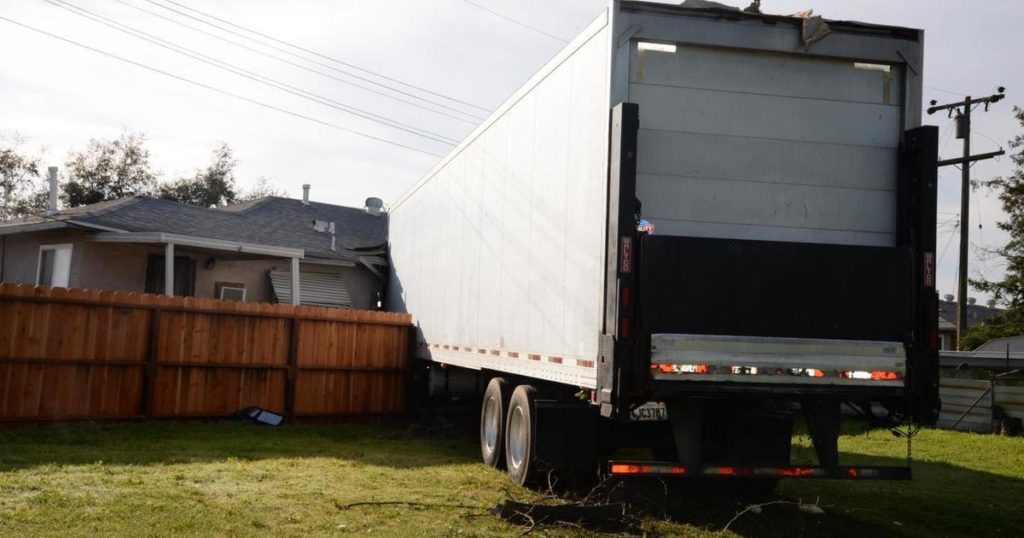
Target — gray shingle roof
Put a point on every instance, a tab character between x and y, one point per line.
976	313
280	222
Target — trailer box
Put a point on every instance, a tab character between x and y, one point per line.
690	205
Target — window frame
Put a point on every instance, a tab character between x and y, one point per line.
54	247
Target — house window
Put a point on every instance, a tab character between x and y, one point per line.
184	275
54	265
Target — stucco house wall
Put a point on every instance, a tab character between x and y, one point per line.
122	267
93	265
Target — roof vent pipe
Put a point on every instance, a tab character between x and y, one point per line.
374	206
971	300
51	206
305	194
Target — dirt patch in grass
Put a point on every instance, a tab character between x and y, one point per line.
243	479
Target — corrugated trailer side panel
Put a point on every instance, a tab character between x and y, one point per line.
499	251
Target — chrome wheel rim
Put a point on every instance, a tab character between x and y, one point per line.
492	421
517	437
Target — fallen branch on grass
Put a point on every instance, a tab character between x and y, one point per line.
534	514
811	508
340	506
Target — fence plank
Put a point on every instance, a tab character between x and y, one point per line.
95	355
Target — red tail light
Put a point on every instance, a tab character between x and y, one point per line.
628	468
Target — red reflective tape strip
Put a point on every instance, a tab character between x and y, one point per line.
446	346
585	363
495	352
646	468
629	468
513	355
556	360
534	357
481	351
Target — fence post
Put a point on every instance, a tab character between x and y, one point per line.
293	368
149	375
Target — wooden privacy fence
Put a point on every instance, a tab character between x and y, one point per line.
74	354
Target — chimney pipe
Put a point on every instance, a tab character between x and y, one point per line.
305	194
51	206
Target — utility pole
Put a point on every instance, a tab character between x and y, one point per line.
963	110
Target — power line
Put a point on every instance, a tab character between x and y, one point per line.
510	19
948	241
943	91
220	64
215	89
315	54
963	125
306	68
342	62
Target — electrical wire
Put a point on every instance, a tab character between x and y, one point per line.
341	62
510	19
216	89
451	115
262	79
981	230
949	241
987	137
228	30
944	91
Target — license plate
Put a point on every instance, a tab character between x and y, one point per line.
650	411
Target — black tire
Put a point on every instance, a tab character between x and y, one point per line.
492	422
520	436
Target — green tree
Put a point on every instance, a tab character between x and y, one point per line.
1009	290
108	170
212	186
18	172
261	189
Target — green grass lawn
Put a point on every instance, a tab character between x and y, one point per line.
234	479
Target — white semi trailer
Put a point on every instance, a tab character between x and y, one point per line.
704	216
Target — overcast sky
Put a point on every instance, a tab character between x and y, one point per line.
57	96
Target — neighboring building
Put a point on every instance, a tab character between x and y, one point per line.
976	313
245	251
1013	344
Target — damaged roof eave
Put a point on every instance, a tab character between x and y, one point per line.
200	242
55	224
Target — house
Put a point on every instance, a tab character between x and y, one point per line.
976	313
246	251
